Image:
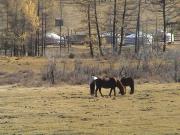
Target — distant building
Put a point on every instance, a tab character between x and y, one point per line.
53	38
77	38
144	39
169	37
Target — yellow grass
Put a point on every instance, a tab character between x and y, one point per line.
13	64
154	109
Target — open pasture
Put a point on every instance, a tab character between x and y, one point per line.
70	110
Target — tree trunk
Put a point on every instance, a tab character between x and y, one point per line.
7	20
164	19
68	43
122	27
60	29
45	29
138	28
42	35
97	29
114	28
37	32
23	31
156	37
89	28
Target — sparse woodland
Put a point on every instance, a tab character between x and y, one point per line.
24	24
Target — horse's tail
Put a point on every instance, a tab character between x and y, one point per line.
132	87
121	87
92	87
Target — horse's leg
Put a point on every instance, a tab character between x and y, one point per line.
96	92
114	91
132	89
100	92
92	88
110	92
124	90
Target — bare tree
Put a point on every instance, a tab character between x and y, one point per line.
164	20
89	29
97	29
114	27
122	25
138	28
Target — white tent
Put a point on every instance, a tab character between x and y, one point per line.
143	39
130	39
168	38
53	38
160	34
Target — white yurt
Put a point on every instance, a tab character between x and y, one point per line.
143	39
169	38
53	38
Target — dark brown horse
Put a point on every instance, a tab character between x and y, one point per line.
107	82
128	81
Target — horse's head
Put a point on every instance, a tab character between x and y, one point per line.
92	87
121	87
92	78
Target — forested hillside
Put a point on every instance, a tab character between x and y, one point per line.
24	23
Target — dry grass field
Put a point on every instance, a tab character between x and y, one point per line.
154	109
65	109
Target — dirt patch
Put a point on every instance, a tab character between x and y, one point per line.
153	109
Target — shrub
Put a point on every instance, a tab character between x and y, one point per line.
49	71
71	56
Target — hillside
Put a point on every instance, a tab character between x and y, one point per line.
72	11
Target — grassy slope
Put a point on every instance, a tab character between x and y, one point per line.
153	109
13	64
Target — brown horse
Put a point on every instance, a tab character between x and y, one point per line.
107	82
128	81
